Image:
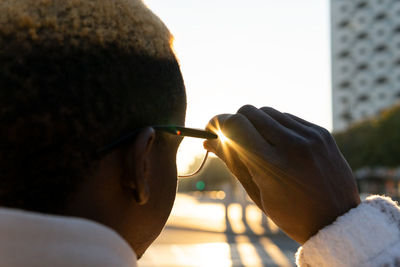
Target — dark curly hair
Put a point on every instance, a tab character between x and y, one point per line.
64	95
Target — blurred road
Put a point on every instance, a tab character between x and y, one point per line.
203	231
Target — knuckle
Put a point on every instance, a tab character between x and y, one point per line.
290	116
319	136
326	135
303	145
246	109
268	109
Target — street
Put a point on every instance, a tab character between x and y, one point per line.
209	232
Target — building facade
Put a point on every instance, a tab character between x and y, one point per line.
365	58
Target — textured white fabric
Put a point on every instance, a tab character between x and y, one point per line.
368	235
33	239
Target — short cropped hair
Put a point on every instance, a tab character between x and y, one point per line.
75	75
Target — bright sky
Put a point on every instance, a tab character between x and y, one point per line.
259	52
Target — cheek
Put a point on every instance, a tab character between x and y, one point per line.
162	188
164	184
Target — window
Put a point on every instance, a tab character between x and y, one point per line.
344	84
362	67
362	36
380	16
344	54
381	48
347	116
344	24
361	5
363	98
381	80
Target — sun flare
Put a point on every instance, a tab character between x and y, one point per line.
222	137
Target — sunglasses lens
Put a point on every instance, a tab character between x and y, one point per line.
190	156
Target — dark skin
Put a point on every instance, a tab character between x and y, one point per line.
291	168
133	189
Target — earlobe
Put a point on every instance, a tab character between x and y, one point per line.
137	166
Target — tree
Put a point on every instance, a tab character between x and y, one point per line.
374	142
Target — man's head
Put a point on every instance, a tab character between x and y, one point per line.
74	76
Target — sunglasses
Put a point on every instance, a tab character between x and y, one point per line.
188	171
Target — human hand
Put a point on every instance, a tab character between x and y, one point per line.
291	168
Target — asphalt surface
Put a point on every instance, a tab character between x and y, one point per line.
212	232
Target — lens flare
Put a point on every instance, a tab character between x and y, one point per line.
222	137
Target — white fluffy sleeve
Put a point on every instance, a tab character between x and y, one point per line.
368	235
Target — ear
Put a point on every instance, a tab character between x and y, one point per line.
137	165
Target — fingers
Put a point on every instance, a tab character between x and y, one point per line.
238	130
266	132
270	128
288	121
323	133
299	120
236	156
